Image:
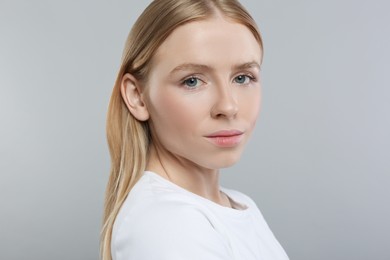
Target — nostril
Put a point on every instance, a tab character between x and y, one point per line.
225	103
224	110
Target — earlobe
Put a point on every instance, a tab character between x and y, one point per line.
132	97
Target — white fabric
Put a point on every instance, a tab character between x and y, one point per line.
162	221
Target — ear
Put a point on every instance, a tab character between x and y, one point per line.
132	95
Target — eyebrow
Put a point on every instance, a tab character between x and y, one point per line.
248	65
194	66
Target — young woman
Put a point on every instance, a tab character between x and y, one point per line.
183	106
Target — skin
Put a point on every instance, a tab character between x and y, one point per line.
205	77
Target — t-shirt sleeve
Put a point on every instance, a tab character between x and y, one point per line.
170	232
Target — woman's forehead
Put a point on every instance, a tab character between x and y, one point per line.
211	42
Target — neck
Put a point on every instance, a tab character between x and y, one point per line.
186	174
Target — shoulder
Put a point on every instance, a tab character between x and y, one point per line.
164	225
151	203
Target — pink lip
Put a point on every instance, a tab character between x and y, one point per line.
225	133
225	138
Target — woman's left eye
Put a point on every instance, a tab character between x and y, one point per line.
242	79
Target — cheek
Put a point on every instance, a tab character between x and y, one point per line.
250	105
258	104
172	113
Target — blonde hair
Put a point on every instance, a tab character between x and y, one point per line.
128	138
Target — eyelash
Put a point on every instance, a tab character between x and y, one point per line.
249	76
184	82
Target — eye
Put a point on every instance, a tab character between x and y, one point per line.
192	82
242	79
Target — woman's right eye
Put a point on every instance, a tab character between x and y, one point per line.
192	82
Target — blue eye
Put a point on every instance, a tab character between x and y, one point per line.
191	82
242	79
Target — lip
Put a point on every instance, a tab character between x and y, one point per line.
225	133
226	138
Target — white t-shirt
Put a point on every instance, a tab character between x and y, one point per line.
162	221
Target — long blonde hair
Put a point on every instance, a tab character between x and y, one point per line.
128	138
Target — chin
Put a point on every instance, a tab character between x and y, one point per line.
224	161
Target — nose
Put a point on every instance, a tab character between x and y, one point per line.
226	105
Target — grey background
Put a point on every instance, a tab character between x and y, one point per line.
317	165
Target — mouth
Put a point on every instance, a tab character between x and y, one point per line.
226	138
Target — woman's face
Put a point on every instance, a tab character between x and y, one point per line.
203	92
